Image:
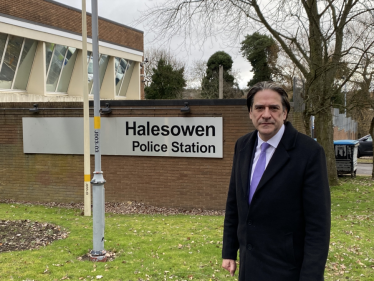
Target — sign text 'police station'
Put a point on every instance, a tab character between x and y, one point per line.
175	136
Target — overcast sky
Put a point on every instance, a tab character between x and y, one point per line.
128	11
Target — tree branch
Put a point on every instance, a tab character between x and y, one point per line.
279	39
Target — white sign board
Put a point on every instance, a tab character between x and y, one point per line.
140	136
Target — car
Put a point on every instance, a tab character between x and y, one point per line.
366	146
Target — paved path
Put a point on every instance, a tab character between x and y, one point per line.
364	169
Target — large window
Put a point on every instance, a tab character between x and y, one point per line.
90	70
55	67
67	70
3	40
60	62
49	47
25	64
17	55
123	71
103	63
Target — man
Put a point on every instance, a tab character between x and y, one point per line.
278	204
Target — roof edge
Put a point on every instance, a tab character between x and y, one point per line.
63	30
101	18
192	102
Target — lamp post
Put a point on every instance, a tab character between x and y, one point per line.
98	191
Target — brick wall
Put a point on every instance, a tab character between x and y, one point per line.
59	16
296	118
160	181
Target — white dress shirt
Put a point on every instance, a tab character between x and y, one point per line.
274	141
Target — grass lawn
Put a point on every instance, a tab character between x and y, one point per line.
179	247
351	255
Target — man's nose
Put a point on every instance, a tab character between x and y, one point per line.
266	114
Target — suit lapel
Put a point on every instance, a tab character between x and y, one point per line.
245	162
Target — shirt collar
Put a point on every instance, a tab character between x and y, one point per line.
275	140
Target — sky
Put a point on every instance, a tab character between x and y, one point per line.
128	11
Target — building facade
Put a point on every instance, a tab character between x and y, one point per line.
167	181
41	54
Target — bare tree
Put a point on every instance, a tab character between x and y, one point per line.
360	101
195	74
153	55
230	90
317	36
286	72
197	71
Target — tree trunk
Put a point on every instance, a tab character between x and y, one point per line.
371	132
324	132
306	121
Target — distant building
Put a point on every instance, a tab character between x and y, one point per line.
41	54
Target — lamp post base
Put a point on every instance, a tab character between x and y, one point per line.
98	256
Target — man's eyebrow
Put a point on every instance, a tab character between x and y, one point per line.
271	105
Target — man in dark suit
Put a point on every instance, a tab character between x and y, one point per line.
278	204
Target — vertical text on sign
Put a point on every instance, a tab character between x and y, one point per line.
97	149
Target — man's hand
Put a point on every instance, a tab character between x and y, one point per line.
229	265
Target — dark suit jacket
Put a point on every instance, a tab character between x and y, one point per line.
284	233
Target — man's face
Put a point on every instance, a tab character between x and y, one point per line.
267	113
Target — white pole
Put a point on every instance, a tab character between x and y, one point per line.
86	116
220	87
345	99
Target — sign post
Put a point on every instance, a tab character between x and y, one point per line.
98	191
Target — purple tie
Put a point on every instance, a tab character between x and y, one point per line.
259	170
